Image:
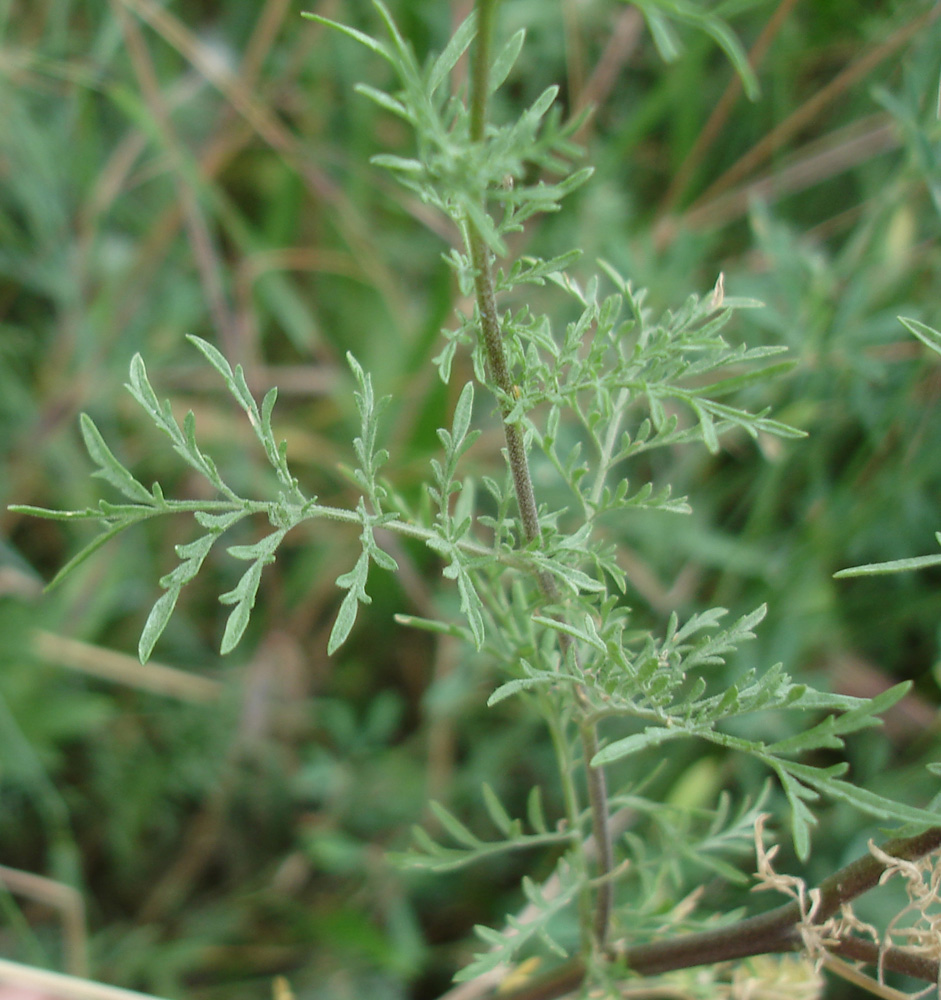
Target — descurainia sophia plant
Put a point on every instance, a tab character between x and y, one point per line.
541	591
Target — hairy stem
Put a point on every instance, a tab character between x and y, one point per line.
487	300
768	933
492	337
500	373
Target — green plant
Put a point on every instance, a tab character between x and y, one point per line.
930	338
540	589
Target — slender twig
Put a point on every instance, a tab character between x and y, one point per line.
611	438
492	337
598	800
573	808
134	514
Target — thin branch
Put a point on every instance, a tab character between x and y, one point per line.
894	959
598	800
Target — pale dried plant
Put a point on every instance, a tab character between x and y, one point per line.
918	924
774	977
761	977
921	935
815	937
849	923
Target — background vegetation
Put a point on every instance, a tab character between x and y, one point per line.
202	168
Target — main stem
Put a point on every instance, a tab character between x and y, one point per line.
492	337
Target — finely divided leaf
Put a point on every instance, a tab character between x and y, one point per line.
245	591
499	815
192	555
893	566
109	468
243	597
542	909
94	545
156	622
802	819
141	389
534	810
355	583
519	684
652	736
359	36
506	59
926	334
453	51
454	826
871	803
591	638
215	357
462	415
381	98
405	165
471	604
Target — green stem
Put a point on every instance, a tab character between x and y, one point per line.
610	443
598	799
492	337
480	69
573	809
132	514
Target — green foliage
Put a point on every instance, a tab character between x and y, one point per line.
452	173
930	338
659	13
506	945
215	517
432	856
613	386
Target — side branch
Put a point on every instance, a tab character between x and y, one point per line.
768	933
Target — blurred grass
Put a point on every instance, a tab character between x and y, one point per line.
203	169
